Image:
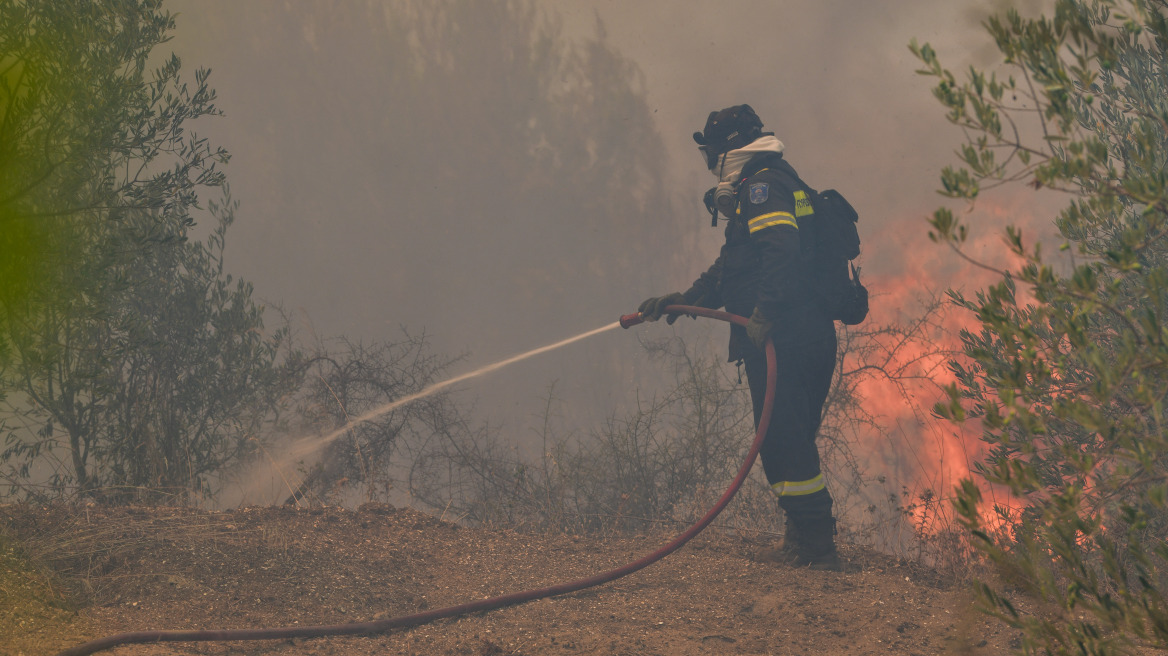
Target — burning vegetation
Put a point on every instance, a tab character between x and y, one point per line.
1003	424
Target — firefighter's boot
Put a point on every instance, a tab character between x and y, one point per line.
815	546
808	543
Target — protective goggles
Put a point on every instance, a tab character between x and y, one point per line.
710	156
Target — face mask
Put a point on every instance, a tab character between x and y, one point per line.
722	198
726	198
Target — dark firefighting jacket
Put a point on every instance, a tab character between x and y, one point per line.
762	263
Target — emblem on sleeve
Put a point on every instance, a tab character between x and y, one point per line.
759	191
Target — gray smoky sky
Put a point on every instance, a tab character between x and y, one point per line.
340	223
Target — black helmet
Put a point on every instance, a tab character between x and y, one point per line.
731	128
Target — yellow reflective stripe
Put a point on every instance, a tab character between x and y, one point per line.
798	488
772	219
803	204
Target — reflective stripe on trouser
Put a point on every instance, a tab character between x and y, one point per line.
798	488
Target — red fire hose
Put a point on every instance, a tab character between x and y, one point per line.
380	626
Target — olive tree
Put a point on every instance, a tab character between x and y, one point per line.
1068	374
129	359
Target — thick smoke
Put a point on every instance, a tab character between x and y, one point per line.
504	175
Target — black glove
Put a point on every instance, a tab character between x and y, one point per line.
758	329
653	308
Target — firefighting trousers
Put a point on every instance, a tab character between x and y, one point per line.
789	455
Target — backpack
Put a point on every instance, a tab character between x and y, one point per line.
831	243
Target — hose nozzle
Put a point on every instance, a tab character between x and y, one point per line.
630	320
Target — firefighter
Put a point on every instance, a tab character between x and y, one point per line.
761	273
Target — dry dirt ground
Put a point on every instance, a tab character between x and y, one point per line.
131	569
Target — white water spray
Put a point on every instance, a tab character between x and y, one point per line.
310	445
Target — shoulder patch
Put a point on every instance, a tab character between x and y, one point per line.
759	191
803	206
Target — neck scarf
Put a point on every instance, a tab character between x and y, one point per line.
733	162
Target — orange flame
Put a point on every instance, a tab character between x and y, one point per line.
920	452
